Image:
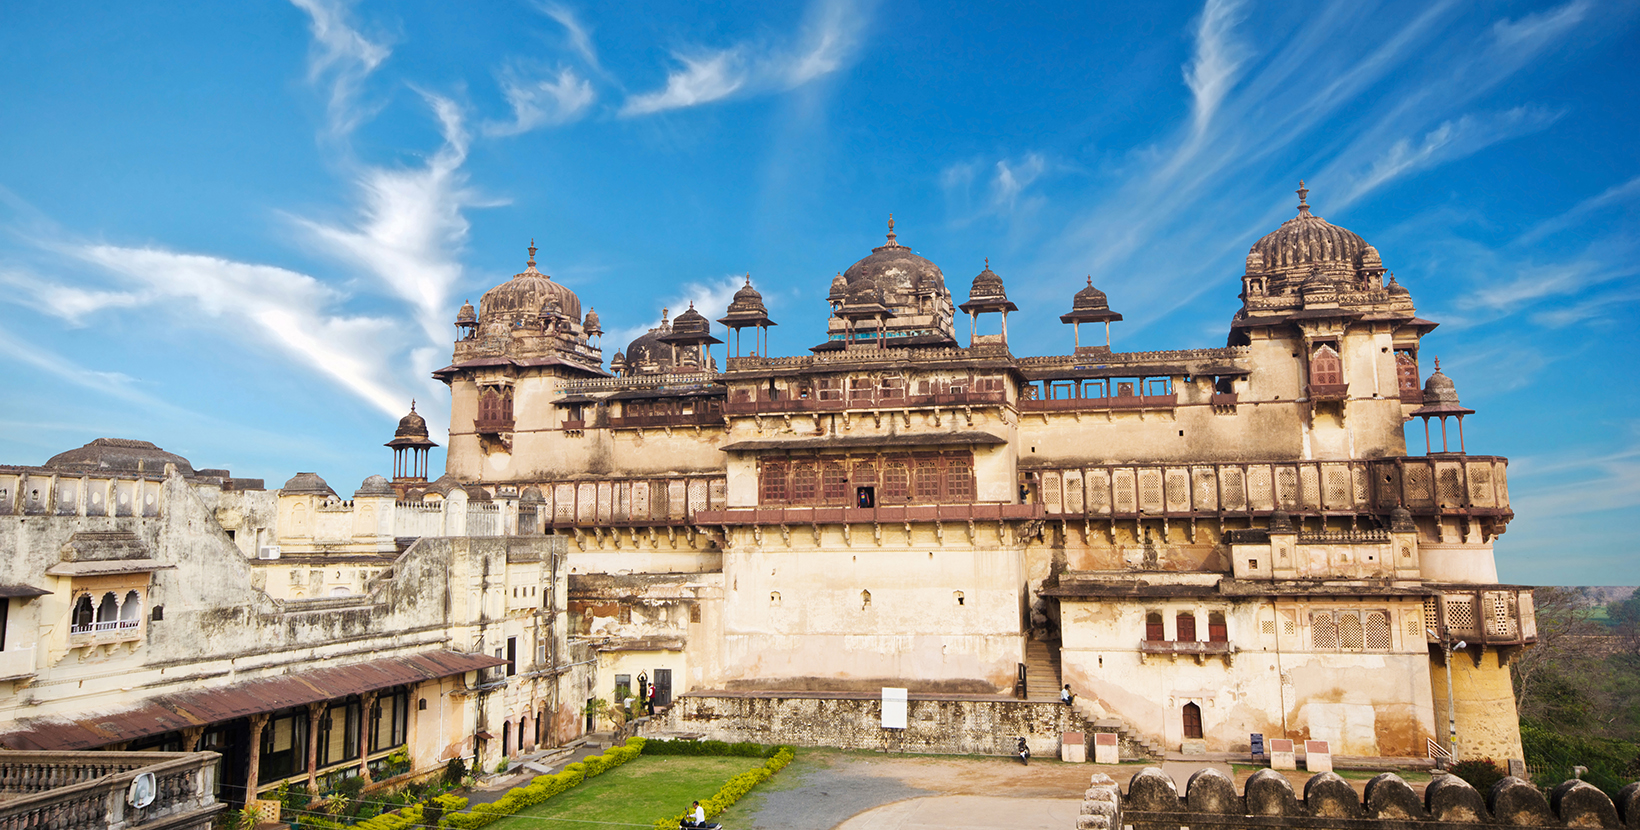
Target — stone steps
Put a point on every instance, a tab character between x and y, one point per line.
1041	670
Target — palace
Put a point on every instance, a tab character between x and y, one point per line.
1203	543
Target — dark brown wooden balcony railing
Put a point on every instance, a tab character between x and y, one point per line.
492	426
667	419
857	399
1327	391
1167	401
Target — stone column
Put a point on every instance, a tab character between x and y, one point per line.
316	713
366	703
254	767
190	738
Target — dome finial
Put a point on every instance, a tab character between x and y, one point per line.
412	404
987	263
531	263
1437	364
1090	280
891	236
1303	194
748	278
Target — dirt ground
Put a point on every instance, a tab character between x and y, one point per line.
824	788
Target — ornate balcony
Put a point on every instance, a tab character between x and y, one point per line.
75	790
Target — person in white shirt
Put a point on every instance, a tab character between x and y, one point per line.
1066	696
698	815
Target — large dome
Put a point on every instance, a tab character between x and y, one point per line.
119	455
1307	239
525	295
896	271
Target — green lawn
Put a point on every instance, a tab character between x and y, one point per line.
638	792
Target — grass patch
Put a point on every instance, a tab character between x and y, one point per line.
638	792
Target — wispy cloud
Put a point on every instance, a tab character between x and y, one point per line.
342	57
1451	140
1617	194
698	81
580	37
1013	177
830	37
410	227
1535	31
1212	72
711	298
542	101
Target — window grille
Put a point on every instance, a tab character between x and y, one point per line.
927	479
1349	631
834	482
1377	631
805	483
896	482
1326	369
1323	631
959	479
774	483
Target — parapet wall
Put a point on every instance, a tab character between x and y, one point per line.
934	725
1210	801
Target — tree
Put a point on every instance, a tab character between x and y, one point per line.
1541	672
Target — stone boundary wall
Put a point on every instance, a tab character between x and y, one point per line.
933	725
1330	803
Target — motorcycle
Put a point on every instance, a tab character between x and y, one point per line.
686	824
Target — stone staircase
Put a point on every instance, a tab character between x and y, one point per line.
1131	740
1041	670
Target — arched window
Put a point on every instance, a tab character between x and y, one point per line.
1323	632
523	729
1378	630
1192	720
108	610
1216	632
84	614
506	738
1349	632
1153	627
1326	369
1185	623
131	610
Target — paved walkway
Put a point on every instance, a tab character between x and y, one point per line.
956	812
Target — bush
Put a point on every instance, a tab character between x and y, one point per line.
540	788
736	787
1481	773
709	748
455	770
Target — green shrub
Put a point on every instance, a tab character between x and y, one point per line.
1481	773
540	788
709	749
455	770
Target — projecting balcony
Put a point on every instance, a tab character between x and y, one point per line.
103	633
881	514
1488	615
667	419
492	426
1327	391
1186	648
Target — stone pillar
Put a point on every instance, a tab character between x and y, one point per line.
316	712
366	703
190	738
254	766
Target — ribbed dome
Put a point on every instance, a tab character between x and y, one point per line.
896	272
1440	389
747	300
1308	239
412	425
119	455
839	289
1090	299
691	322
987	285
1397	288
592	325
526	294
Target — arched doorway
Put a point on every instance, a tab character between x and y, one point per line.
1192	721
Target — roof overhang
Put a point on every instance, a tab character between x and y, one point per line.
103	567
169	713
941	439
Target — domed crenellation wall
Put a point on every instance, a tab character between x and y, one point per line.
1152	802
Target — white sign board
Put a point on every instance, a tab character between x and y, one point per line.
893	708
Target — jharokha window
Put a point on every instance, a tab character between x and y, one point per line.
1326	368
495	404
924	478
1406	375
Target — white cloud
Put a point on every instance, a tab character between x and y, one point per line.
699	81
710	298
580	38
1012	179
1534	31
68	302
282	307
1453	139
1213	70
410	227
344	56
542	102
830	37
1616	194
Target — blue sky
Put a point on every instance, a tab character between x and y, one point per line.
242	230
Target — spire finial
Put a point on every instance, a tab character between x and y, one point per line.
1303	194
412	404
987	263
891	236
1437	364
531	263
1090	280
748	279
